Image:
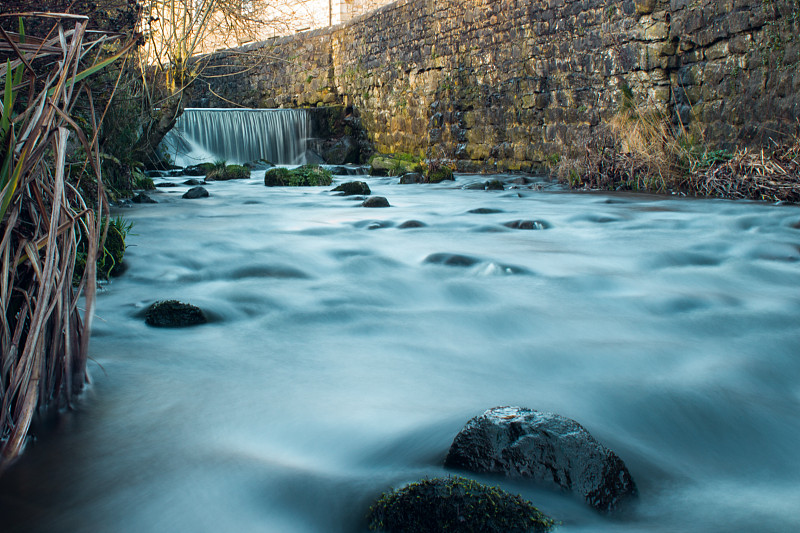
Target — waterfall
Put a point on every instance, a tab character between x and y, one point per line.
238	136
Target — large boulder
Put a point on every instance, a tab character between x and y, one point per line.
546	447
174	314
455	505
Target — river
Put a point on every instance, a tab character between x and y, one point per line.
341	358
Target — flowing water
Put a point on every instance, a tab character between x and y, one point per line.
339	362
238	136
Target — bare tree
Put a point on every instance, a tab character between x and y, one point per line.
175	31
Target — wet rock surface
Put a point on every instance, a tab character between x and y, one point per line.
527	224
376	201
546	447
195	192
353	188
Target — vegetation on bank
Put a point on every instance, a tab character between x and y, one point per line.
643	151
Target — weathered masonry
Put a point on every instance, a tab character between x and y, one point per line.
508	84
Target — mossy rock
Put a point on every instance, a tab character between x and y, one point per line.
440	174
228	172
198	170
393	165
110	264
174	314
304	176
456	505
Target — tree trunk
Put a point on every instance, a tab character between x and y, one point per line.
155	128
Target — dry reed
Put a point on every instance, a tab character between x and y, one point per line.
43	334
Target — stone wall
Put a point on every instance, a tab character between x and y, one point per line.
512	84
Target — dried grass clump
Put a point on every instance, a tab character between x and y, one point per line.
640	150
43	337
753	175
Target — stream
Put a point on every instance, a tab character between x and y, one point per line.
344	353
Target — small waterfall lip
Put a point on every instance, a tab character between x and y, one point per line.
238	136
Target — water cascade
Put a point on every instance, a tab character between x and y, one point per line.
238	136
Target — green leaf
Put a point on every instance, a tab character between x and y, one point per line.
11	187
8	102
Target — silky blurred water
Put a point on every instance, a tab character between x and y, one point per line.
339	362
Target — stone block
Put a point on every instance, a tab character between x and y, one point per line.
656	31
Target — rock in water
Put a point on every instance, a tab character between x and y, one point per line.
550	448
142	198
455	505
353	188
411	177
376	201
195	192
174	314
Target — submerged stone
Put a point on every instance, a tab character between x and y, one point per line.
174	314
493	185
195	192
376	201
546	447
456	260
408	224
527	224
353	188
484	211
455	505
192	181
166	184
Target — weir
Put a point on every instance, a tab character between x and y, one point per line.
238	136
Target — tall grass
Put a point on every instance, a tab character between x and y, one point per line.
44	334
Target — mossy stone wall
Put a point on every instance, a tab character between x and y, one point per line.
513	84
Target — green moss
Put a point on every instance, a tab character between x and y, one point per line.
225	172
440	173
455	505
109	262
304	176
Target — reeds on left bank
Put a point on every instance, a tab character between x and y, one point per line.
45	319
